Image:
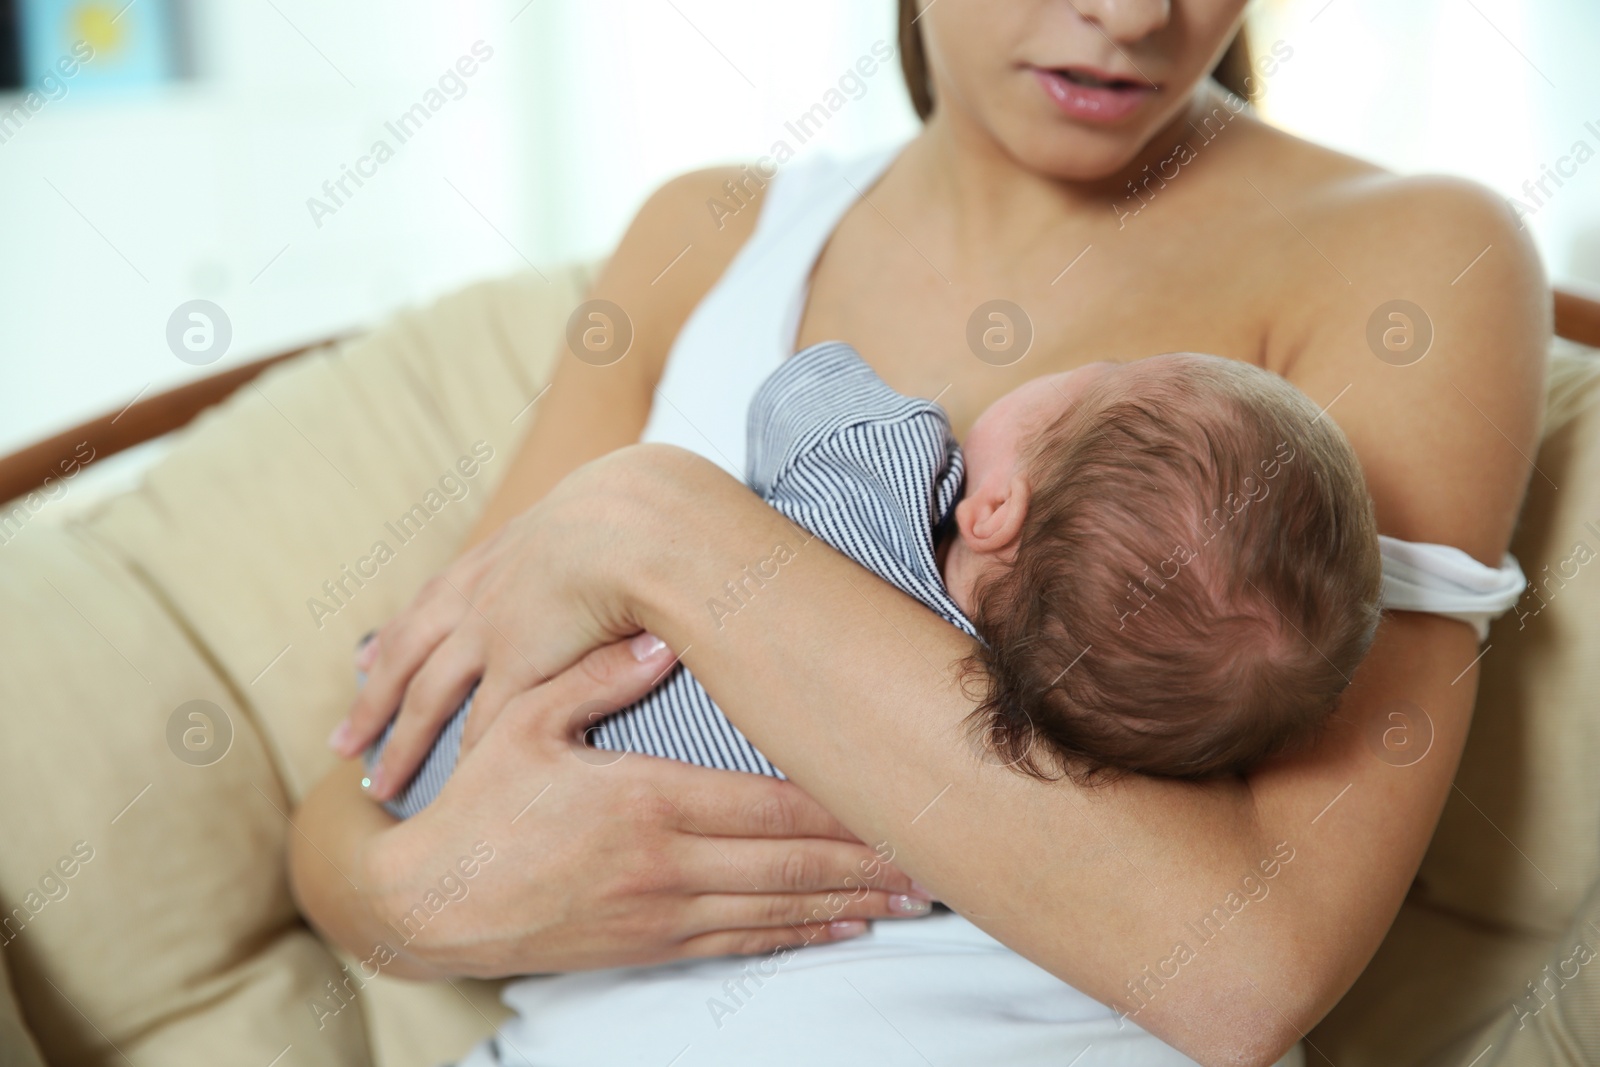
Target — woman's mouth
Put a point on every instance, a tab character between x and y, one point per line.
1093	95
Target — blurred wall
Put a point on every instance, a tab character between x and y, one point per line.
1503	91
119	207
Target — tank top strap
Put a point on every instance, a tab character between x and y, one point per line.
747	323
1443	580
803	208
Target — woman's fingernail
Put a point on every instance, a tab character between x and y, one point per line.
367	652
840	929
373	781
646	646
906	904
340	737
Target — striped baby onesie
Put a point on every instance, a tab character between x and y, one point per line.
870	472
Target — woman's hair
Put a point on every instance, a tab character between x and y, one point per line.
914	61
1232	71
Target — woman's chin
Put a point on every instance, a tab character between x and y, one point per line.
1085	156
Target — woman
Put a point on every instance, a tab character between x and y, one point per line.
1076	163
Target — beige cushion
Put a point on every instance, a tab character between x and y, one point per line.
176	941
17	1047
1434	978
1518	847
1519	842
151	891
295	481
1557	1023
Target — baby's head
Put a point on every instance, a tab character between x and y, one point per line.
1173	565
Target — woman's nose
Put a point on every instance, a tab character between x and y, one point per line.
1124	20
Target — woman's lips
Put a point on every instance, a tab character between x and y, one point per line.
1092	95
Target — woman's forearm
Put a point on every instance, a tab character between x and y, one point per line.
1164	899
333	827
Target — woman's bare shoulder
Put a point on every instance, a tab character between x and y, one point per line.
681	241
1417	307
1385	226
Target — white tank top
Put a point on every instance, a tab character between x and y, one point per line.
747	324
906	991
909	991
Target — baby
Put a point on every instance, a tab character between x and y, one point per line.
1171	566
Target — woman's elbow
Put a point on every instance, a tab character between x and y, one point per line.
1254	1021
1233	1037
1258	1041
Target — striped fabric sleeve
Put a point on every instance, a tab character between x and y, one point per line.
848	460
871	472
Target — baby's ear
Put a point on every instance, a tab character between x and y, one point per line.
991	519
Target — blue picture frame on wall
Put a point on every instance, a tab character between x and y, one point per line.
10	47
130	44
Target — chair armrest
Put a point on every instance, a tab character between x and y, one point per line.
1578	317
26	470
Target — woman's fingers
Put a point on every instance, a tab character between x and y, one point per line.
760	941
720	804
495	692
606	680
433	696
796	865
404	644
739	911
509	675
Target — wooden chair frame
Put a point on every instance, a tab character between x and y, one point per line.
1577	317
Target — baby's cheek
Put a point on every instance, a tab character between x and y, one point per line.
961	571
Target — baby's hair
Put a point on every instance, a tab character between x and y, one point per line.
1195	582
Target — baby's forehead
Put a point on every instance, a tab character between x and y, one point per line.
1176	382
1152	371
1192	372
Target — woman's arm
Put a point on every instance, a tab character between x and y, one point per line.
609	872
553	862
591	410
588	411
1103	887
1226	917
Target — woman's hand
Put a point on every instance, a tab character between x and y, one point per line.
487	619
581	859
390	659
592	411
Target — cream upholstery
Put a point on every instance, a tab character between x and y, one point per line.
1537	698
1518	847
176	942
17	1047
